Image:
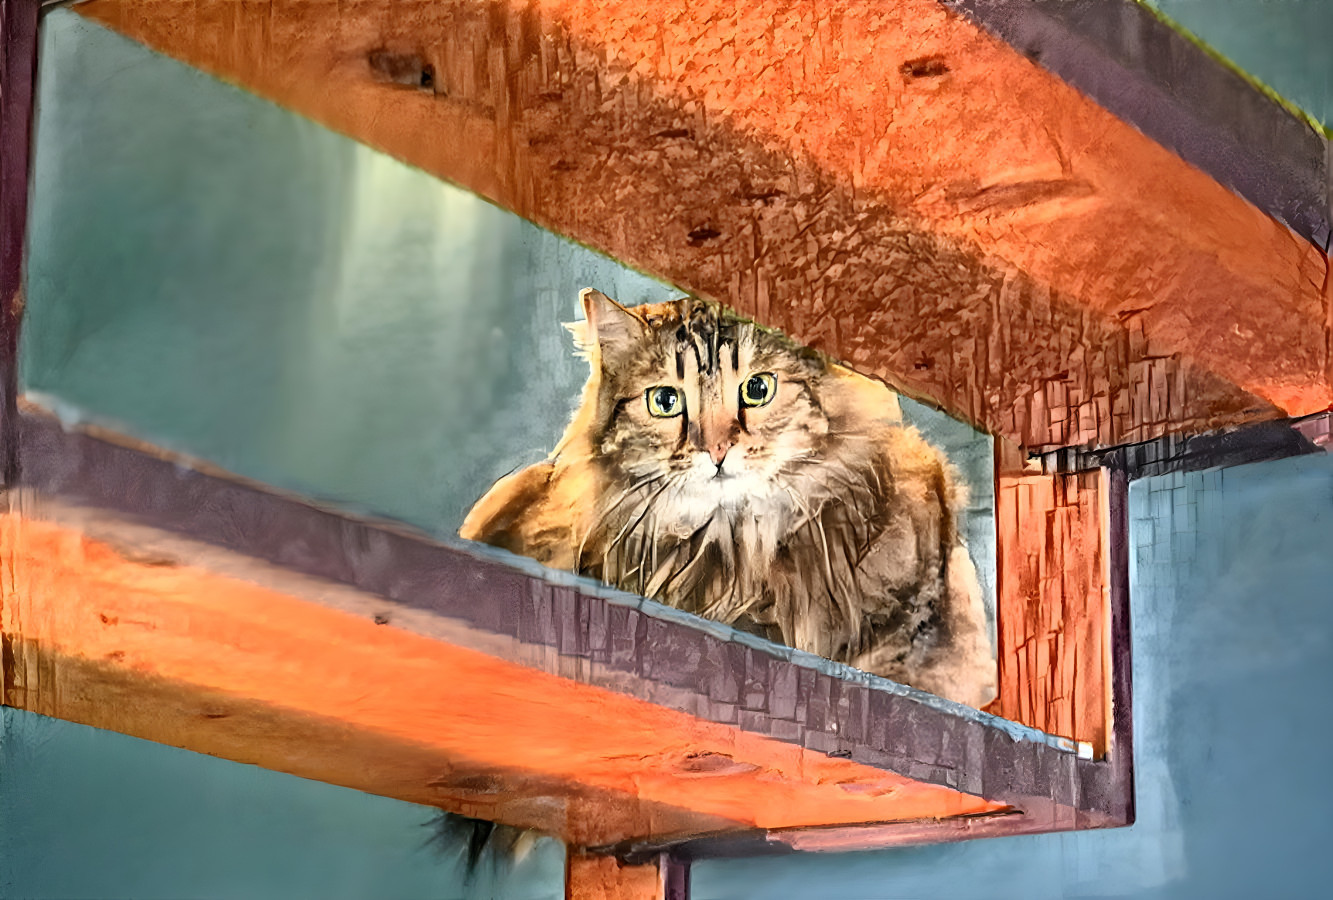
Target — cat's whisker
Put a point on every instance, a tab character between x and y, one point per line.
695	558
828	565
662	574
796	499
649	541
627	493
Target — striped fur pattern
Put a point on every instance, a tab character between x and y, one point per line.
719	467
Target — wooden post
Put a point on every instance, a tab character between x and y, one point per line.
589	877
1121	755
1052	599
18	74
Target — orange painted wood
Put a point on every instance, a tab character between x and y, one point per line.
943	225
1052	609
604	878
118	627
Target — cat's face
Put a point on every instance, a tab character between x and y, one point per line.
717	411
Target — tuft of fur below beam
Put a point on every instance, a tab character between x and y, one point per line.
476	840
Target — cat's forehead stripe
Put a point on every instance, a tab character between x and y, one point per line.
706	335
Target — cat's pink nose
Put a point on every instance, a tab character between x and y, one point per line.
718	451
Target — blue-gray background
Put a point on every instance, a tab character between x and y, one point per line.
1231	571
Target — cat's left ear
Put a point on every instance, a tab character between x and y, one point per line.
611	327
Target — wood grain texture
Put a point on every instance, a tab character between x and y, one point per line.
605	878
1052	609
884	181
1124	55
121	632
522	631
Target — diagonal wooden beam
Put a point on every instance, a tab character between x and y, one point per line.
115	626
258	628
886	181
1125	55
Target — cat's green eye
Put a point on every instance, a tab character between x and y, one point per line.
664	402
759	389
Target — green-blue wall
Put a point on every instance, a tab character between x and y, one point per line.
92	814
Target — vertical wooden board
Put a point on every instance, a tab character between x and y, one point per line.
605	878
18	71
1051	599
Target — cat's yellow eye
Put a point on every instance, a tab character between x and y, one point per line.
664	402
759	389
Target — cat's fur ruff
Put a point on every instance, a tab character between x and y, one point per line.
816	518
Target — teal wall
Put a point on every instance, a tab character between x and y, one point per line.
92	814
1285	44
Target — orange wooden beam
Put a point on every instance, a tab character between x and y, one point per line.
885	181
1052	600
604	878
127	628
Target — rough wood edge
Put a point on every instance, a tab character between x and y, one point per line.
1051	598
121	626
1132	62
1262	442
593	877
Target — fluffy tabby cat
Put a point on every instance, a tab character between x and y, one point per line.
721	468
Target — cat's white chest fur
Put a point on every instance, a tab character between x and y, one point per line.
750	504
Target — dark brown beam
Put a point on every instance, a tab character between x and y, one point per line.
1121	758
18	75
1260	442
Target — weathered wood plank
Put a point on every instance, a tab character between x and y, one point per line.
884	181
123	631
590	877
1052	600
1127	58
350	591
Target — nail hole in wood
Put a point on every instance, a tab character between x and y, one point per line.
924	67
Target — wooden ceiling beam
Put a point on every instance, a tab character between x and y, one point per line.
887	182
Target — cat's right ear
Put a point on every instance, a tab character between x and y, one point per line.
611	327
